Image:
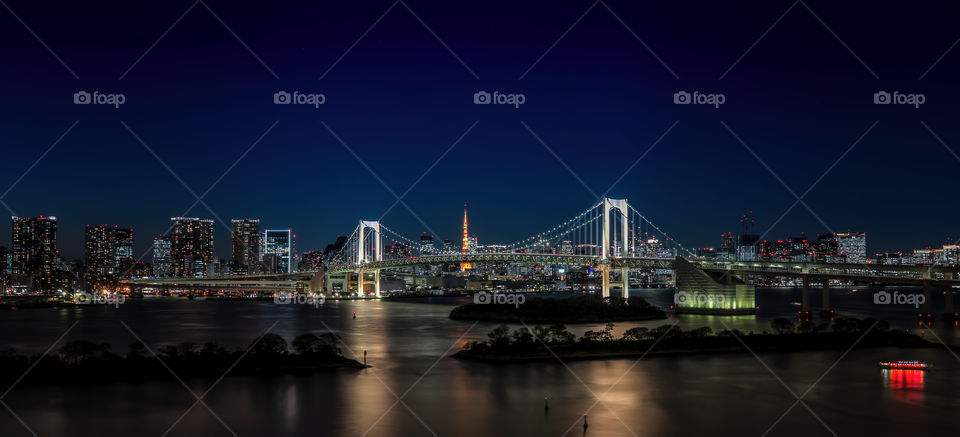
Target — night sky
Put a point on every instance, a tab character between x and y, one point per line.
399	99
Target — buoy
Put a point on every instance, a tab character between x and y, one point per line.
546	402
354	314
585	421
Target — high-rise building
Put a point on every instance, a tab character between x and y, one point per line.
278	244
191	248
853	245
123	246
107	255
245	246
34	261
4	268
162	263
98	253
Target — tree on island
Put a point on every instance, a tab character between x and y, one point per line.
78	351
605	335
269	344
636	334
782	325
307	344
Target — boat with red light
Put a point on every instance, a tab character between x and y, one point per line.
907	365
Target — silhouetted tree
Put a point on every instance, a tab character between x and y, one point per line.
269	344
782	325
636	334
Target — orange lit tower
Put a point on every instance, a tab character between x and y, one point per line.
466	241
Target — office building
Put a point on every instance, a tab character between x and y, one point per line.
162	263
853	245
278	248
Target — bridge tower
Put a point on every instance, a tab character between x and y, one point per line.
363	257
608	206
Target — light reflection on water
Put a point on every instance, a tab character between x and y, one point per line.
694	395
905	385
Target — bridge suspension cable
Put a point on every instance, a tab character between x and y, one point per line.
610	227
661	231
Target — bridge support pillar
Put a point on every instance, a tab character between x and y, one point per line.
825	310
360	284
805	298
376	283
625	277
949	313
605	280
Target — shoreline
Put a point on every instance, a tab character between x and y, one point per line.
555	342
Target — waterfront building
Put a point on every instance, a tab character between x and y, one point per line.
245	246
4	268
191	248
107	255
34	252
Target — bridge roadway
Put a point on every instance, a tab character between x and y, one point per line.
875	273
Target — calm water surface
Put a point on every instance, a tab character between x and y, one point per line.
407	343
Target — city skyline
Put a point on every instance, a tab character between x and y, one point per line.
142	250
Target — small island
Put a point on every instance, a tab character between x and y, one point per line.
81	361
553	342
578	309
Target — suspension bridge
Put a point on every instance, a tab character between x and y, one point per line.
608	237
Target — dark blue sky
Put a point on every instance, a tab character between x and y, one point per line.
399	99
